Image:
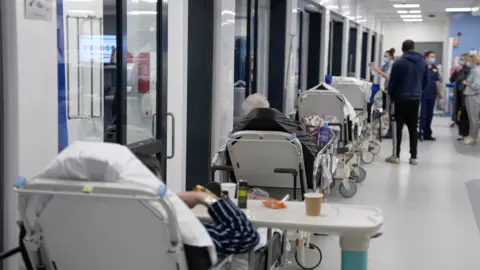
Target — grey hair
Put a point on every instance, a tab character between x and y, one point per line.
254	101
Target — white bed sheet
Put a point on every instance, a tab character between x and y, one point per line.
348	109
365	85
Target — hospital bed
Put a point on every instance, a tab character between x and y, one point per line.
271	160
326	100
96	206
358	92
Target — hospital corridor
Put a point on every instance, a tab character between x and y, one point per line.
240	134
432	211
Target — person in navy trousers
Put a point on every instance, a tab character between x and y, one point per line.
429	97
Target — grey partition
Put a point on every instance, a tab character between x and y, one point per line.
199	97
1	136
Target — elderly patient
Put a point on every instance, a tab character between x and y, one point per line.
257	113
230	231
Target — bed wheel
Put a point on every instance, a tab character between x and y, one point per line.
320	258
350	192
374	148
362	174
367	157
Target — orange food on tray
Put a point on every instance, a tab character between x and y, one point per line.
274	204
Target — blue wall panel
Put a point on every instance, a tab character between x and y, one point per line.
469	26
62	104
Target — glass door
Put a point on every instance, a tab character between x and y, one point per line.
141	78
113	74
246	49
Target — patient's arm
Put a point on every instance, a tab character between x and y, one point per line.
192	198
231	231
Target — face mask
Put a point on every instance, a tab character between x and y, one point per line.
461	62
385	59
469	65
432	60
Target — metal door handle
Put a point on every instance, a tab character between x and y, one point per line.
173	135
153	124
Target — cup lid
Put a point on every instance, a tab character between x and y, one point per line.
313	195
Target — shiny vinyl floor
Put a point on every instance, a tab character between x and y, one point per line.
430	221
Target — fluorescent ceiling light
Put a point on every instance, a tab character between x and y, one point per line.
411	16
324	2
228	12
332	7
415	11
354	18
458	9
475	9
142	12
363	20
406	6
81	11
346	13
413	20
402	11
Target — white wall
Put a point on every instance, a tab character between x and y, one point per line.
177	91
291	41
223	65
396	33
31	98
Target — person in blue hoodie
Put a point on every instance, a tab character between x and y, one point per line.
408	81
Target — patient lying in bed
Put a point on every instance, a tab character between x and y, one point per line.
230	232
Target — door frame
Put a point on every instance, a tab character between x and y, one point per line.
2	148
158	144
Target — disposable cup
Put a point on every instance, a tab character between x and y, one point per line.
231	188
313	204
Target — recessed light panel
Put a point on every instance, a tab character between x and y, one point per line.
413	20
411	16
406	6
458	9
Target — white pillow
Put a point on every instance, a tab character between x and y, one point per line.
108	162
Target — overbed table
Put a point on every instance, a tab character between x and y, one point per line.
354	224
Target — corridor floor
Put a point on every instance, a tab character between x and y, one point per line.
430	221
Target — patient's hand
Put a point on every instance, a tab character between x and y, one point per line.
192	198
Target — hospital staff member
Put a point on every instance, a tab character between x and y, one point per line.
429	97
384	72
472	99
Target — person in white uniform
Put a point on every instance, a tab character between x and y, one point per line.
384	72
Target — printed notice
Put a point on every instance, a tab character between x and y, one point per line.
39	10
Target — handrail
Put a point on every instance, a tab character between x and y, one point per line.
91	114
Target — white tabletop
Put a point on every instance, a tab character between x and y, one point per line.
337	219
